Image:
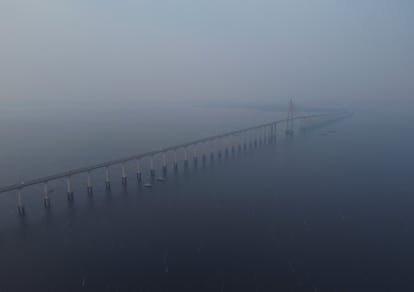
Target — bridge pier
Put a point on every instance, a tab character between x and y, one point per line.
152	169
138	171
46	199
69	188
204	153
289	120
232	144
250	140
219	146
89	183
259	136
164	162
20	206
124	177
185	157
107	178
175	160
270	134
211	149
195	155
226	146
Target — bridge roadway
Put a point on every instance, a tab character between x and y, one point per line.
86	169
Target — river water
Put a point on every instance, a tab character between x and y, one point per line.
329	210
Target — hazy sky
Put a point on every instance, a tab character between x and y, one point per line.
347	52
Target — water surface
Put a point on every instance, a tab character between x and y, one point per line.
329	210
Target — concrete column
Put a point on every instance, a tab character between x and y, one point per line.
69	188
275	131
175	159
124	177
244	140
89	183
240	142
203	147
219	146
107	178
263	135
152	169
20	206
46	199
260	135
233	143
269	134
164	162
237	143
138	170
226	146
195	154
185	157
289	127
212	149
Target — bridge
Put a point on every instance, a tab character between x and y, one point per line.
246	139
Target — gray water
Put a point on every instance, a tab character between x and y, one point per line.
329	210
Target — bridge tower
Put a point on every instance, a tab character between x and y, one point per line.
289	120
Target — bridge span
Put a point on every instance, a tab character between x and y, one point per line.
246	139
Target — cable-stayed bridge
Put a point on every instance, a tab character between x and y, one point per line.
209	148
